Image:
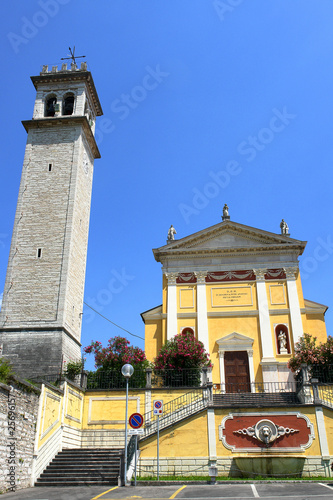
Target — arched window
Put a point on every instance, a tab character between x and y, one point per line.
188	329
51	105
68	104
282	339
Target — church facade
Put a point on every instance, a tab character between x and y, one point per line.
239	290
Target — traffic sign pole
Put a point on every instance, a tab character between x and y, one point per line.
158	447
136	449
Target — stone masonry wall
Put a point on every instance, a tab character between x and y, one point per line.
18	416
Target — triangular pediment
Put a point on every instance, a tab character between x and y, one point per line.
228	237
235	342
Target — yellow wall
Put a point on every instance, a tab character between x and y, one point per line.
186	439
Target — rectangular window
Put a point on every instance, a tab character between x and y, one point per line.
50	167
39	253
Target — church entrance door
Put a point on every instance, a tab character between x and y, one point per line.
237	375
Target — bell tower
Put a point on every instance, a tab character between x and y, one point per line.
40	319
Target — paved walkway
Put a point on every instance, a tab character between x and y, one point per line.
267	491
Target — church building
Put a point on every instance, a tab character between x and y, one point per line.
239	290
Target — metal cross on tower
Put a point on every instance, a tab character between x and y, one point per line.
72	55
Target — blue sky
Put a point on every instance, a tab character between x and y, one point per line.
237	109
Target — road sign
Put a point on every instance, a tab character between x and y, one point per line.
158	406
136	432
136	420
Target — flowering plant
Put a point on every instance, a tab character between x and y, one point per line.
73	368
117	353
182	351
307	351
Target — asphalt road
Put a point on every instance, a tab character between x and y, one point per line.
269	491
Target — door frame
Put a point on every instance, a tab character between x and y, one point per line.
236	342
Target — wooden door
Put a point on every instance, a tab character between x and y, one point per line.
236	368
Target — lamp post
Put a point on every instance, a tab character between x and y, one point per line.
127	371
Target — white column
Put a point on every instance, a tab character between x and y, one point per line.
202	309
251	370
222	372
171	305
295	313
264	322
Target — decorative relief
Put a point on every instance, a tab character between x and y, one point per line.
201	277
273	432
291	272
260	274
231	276
266	431
186	278
171	277
275	274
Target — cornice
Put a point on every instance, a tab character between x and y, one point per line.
67	121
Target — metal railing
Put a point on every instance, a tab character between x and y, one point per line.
149	378
324	373
115	380
325	394
173	378
182	407
257	388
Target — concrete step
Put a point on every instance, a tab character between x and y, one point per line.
82	466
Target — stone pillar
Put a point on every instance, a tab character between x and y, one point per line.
222	372
202	309
295	313
268	362
171	305
251	370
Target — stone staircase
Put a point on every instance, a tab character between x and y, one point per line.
82	467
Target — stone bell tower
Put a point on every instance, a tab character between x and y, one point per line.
40	319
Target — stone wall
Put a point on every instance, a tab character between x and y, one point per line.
18	416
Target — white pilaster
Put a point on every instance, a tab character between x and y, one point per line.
211	434
171	305
295	313
222	373
264	322
251	370
202	309
322	433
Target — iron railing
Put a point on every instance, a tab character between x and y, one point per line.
324	373
115	380
177	377
182	407
256	388
256	394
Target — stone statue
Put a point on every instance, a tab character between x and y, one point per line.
171	233
225	211
282	342
284	227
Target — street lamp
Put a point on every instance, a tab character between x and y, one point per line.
127	371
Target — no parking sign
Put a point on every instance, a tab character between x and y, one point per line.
158	406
